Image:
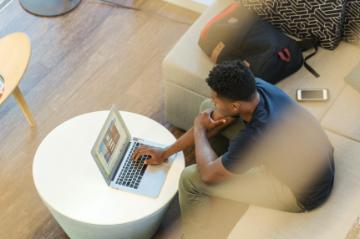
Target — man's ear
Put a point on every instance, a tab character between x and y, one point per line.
236	105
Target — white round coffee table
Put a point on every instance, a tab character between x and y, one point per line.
72	187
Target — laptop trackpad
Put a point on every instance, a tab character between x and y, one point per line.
153	180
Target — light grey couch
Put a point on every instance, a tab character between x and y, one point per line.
184	71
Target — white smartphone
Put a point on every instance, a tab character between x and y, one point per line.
312	94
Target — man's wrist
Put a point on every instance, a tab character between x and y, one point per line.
199	129
164	154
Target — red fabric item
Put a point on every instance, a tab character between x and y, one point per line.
219	17
285	55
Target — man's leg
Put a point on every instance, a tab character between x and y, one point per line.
256	186
220	145
200	212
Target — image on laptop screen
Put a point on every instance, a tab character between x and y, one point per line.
109	142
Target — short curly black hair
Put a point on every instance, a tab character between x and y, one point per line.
232	80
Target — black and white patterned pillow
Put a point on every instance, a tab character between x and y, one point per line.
322	19
352	21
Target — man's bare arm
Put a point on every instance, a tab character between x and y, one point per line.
210	166
157	156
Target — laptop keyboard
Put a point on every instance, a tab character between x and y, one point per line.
133	171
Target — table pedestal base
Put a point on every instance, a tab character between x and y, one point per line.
49	8
144	228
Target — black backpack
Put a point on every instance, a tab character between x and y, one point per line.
236	33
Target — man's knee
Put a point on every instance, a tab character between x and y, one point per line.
206	104
229	132
189	178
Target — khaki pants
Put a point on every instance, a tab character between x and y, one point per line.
211	210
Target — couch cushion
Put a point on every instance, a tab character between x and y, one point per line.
332	220
332	66
344	116
186	64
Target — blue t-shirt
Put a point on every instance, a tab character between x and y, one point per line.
273	101
299	150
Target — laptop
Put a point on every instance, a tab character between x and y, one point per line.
113	151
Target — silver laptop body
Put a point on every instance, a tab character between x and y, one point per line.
113	152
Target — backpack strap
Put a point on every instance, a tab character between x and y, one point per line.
305	45
307	66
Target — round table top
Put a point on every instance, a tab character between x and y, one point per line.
69	181
15	51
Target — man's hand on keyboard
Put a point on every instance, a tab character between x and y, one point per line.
156	155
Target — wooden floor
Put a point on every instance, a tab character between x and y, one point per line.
96	56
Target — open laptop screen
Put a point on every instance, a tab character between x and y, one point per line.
111	144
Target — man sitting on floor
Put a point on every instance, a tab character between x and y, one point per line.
280	158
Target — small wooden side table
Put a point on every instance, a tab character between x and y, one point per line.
15	51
